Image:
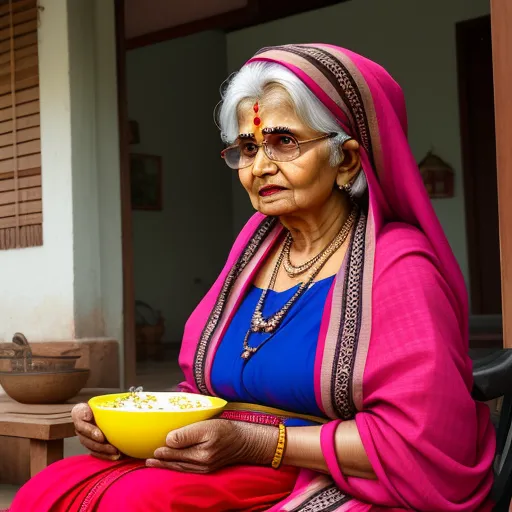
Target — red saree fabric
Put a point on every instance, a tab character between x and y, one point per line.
87	484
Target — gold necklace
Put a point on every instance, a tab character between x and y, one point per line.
294	271
270	325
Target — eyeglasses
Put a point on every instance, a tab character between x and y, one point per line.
277	146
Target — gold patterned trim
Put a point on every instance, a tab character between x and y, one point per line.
241	406
347	88
343	364
328	499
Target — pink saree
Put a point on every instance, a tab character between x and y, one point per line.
392	349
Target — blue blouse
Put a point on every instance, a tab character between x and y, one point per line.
281	373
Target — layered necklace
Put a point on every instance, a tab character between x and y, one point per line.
270	324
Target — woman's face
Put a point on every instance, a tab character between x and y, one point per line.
285	188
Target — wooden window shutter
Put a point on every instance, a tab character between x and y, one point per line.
21	214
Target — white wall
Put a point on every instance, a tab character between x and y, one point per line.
415	42
71	287
97	251
86	220
36	284
178	252
108	165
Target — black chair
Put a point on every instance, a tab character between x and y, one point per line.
492	374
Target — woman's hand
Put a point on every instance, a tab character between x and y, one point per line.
90	435
210	445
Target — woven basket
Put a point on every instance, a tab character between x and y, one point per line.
149	331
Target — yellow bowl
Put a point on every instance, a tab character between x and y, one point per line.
139	433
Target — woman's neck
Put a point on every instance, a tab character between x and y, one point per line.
312	231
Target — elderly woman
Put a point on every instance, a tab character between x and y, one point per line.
337	329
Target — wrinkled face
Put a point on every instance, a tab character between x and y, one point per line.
285	188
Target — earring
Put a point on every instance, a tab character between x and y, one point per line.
342	156
347	188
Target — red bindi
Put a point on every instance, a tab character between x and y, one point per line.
257	120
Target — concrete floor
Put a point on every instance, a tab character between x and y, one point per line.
7	493
152	375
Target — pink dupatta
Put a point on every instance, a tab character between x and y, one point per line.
392	350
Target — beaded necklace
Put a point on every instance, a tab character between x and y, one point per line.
271	324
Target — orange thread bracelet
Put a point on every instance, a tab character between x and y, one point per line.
281	444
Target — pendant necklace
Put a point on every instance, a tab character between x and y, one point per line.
270	325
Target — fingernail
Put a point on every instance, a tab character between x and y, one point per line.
97	435
150	463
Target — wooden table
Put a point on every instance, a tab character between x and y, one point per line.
39	430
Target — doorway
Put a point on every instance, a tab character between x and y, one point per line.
476	100
177	197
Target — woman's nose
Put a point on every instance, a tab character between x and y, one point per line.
263	165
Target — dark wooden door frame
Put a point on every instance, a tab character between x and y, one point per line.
469	192
129	352
501	21
466	33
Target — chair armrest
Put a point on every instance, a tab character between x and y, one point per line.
492	375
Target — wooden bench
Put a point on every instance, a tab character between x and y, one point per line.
32	436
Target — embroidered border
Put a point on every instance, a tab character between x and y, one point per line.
250	250
350	91
346	85
325	500
252	417
102	486
343	362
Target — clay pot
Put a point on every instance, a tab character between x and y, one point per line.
38	363
43	387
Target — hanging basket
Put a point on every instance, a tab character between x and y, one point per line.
437	175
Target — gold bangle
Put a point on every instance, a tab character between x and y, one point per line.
281	443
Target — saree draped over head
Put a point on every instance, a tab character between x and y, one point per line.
392	351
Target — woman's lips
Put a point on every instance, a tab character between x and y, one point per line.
271	190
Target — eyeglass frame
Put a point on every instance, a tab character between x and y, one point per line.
264	144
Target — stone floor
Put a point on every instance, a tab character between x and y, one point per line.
152	375
7	493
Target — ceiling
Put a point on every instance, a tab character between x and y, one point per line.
147	16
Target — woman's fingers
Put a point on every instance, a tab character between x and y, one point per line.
102	448
186	455
83	419
90	435
102	456
90	431
82	412
183	467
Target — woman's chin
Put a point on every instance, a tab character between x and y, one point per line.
274	209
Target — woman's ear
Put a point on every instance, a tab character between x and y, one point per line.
350	164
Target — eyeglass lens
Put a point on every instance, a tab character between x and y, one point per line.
278	147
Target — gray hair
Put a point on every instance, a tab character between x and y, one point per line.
251	82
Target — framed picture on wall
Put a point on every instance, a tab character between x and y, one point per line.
146	181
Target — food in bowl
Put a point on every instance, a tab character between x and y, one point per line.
137	423
147	402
